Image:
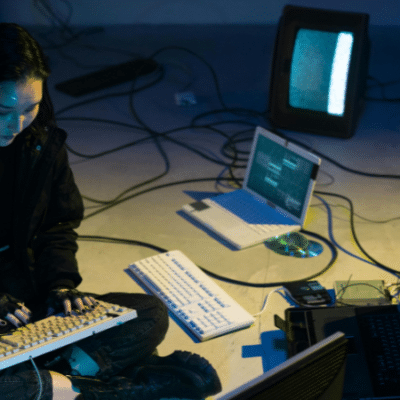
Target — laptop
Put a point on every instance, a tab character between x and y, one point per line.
274	199
373	334
316	373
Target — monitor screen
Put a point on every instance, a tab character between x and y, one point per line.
287	173
319	71
316	373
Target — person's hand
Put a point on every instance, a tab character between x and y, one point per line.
13	311
62	299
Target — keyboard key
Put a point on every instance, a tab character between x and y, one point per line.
381	336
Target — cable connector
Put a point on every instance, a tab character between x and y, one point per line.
185	99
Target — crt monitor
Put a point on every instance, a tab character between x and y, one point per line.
316	373
319	71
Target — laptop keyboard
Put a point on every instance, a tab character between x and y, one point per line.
241	210
247	208
381	336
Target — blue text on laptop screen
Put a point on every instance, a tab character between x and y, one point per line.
319	70
280	176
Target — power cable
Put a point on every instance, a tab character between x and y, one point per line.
332	161
163	135
65	27
148	190
382	86
367	220
377	263
220	277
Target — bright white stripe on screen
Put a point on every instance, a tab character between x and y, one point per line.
339	75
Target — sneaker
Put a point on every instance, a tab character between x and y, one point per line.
117	388
190	375
181	375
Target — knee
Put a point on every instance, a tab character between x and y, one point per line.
152	306
161	314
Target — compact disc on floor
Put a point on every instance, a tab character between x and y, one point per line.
294	244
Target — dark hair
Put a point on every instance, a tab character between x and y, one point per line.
21	57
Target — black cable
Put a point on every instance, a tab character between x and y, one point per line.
226	109
94	238
229	150
65	29
140	141
52	15
210	68
332	161
113	204
272	284
240	111
137	117
237	111
155	134
371	221
221	100
230	166
39	379
164	135
226	148
382	86
220	277
352	226
73	37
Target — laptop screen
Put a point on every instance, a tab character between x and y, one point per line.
280	175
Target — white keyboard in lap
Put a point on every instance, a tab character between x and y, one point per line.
57	331
190	295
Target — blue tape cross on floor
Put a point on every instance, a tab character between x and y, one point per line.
272	350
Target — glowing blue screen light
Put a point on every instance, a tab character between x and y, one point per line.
319	70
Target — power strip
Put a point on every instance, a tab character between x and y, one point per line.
361	293
107	77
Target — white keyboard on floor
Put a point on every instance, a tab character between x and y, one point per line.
41	337
190	295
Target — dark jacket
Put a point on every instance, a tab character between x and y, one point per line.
49	208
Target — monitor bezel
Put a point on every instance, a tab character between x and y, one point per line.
280	113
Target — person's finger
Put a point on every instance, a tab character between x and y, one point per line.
12	319
67	307
90	301
25	309
79	303
22	316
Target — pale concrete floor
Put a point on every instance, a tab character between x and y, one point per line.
153	218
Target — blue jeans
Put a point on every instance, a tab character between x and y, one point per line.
113	350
